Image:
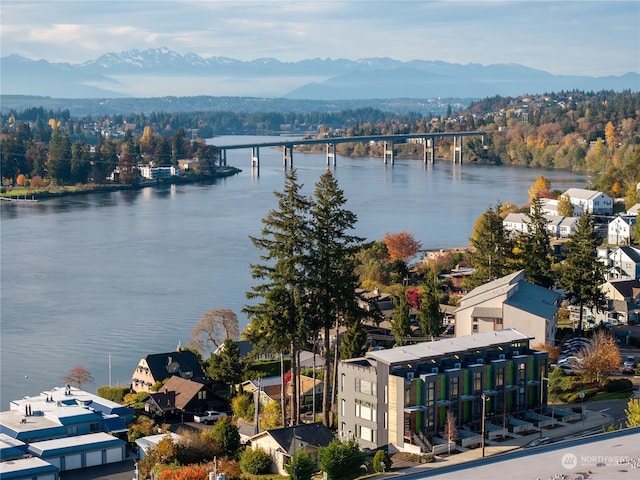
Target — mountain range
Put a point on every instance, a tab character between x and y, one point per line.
163	72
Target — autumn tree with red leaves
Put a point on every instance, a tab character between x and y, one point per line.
401	246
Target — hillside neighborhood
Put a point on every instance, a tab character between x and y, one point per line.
484	384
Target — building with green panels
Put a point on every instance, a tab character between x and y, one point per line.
398	398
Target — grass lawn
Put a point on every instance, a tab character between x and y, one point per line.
611	396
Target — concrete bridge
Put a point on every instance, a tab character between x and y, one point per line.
428	140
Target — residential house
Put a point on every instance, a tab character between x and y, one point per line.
624	301
269	390
623	263
398	398
591	201
509	302
620	230
159	366
550	207
557	226
152	441
61	429
283	443
634	210
63	412
181	396
156	173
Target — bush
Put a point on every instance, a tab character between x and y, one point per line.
619	385
115	394
341	459
382	461
242	407
301	466
225	434
255	462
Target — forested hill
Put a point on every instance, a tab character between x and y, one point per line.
597	133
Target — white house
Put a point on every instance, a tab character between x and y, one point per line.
620	230
634	210
509	302
557	226
155	173
550	207
623	263
590	201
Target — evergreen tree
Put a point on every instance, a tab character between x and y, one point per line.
401	318
278	319
354	341
583	273
80	158
227	365
430	316
492	254
59	159
332	277
533	248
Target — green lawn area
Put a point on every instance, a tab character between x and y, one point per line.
611	396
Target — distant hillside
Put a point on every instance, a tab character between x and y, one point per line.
162	72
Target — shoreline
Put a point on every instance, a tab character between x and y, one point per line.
103	188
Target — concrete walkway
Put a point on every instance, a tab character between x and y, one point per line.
593	422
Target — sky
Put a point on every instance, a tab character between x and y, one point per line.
572	37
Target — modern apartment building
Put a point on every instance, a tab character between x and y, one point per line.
399	397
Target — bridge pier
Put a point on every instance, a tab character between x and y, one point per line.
255	157
222	157
387	153
331	154
429	150
457	149
287	155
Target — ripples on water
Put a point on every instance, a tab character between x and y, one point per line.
130	273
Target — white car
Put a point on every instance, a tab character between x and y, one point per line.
210	416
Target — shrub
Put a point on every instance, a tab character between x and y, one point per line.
341	459
242	407
255	462
225	434
381	461
115	394
301	466
619	385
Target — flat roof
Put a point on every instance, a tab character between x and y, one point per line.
610	456
75	443
448	346
26	466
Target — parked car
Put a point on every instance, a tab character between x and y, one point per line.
629	365
210	416
538	442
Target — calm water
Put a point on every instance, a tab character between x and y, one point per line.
130	273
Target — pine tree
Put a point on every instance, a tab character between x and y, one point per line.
277	320
533	248
430	316
401	318
492	254
354	340
583	273
59	159
331	271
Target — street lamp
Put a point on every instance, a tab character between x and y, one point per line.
582	408
484	411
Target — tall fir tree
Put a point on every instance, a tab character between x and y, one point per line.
278	318
331	269
401	318
533	248
492	255
59	158
582	272
430	316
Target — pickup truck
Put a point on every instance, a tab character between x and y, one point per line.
210	416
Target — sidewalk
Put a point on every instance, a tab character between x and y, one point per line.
593	420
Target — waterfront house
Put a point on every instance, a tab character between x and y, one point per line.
591	201
398	398
550	207
159	366
509	302
282	443
557	226
181	396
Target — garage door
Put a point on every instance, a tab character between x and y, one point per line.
47	477
115	455
72	462
93	458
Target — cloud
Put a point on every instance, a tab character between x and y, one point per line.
564	37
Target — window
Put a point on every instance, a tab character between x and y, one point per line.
342	407
202	395
521	373
500	377
365	410
477	381
342	377
455	388
365	386
365	433
431	393
475	325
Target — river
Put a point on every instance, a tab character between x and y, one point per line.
103	279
